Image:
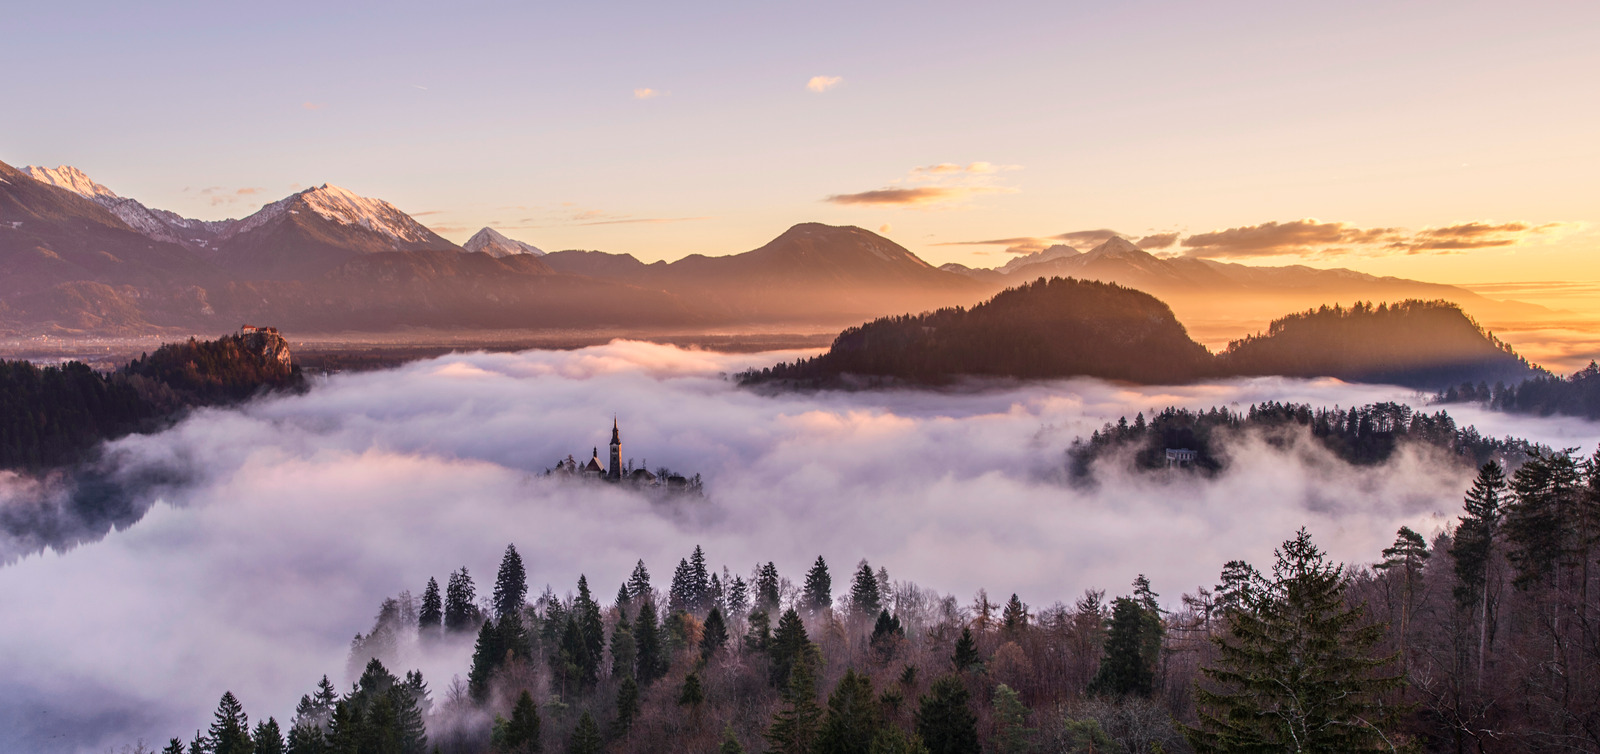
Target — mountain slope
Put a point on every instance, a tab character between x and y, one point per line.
157	224
495	244
314	231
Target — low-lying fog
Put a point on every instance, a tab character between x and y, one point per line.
294	517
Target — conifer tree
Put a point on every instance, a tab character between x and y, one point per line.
886	635
460	608
966	654
1010	716
692	695
624	600
945	720
730	742
174	746
571	662
853	717
487	655
268	738
1539	520
680	595
714	635
1124	669
1406	556
521	733
586	737
1155	631
639	583
431	619
623	649
818	594
738	597
865	598
653	660
199	744
758	638
1294	670
789	645
794	728
510	584
627	705
1473	545
1014	619
230	730
699	582
591	627
767	596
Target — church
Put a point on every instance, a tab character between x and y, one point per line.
615	472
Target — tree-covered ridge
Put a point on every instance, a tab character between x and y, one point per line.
1361	435
1577	395
1482	639
1422	344
1061	327
55	415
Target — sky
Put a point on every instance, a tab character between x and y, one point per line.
275	529
1446	141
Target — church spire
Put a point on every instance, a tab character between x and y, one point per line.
615	471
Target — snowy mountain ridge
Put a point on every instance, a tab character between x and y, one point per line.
496	244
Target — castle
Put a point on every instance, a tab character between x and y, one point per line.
616	473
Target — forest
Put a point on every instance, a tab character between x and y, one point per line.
56	415
1544	395
1064	327
1360	435
1481	638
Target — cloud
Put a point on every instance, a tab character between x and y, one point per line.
883	230
915	197
309	105
647	93
951	168
821	84
1088	238
1473	235
219	195
1293	237
273	531
1158	241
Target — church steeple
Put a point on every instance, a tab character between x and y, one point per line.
615	471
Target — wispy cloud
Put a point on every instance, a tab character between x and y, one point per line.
820	84
1473	235
219	195
951	168
309	105
915	197
1158	241
1312	237
647	93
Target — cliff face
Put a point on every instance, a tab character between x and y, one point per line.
266	344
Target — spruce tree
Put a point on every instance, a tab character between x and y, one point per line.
1014	619
230	729
865	598
730	742
966	654
1539	521
268	738
521	732
789	644
431	619
767	596
713	636
639	583
758	637
174	746
794	728
586	737
886	636
460	607
1295	670
1155	630
681	595
738	597
624	600
627	706
1473	545
853	717
945	720
571	661
1124	669
653	660
487	655
692	694
510	584
624	651
818	594
592	628
345	728
1010	717
699	582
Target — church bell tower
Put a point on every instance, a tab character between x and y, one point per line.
614	471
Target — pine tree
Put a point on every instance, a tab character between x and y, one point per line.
789	645
586	737
653	660
639	583
1014	619
818	594
681	596
510	584
1473	545
174	746
713	636
460	608
692	695
1124	669
1539	521
627	705
738	597
230	730
1010	716
571	660
431	619
268	738
624	651
592	629
199	744
966	654
945	720
1294	670
487	655
624	600
411	704
758	638
699	582
853	717
886	636
1155	631
865	599
767	596
730	742
1407	556
521	733
794	728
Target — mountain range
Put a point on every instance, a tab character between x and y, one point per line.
76	258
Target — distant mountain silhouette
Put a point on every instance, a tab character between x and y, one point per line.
1044	329
1064	327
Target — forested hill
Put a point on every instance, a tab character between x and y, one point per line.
1421	344
54	415
1060	327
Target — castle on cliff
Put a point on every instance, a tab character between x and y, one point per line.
616	472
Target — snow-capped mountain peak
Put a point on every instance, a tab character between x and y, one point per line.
496	244
349	208
1116	246
1054	252
72	179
